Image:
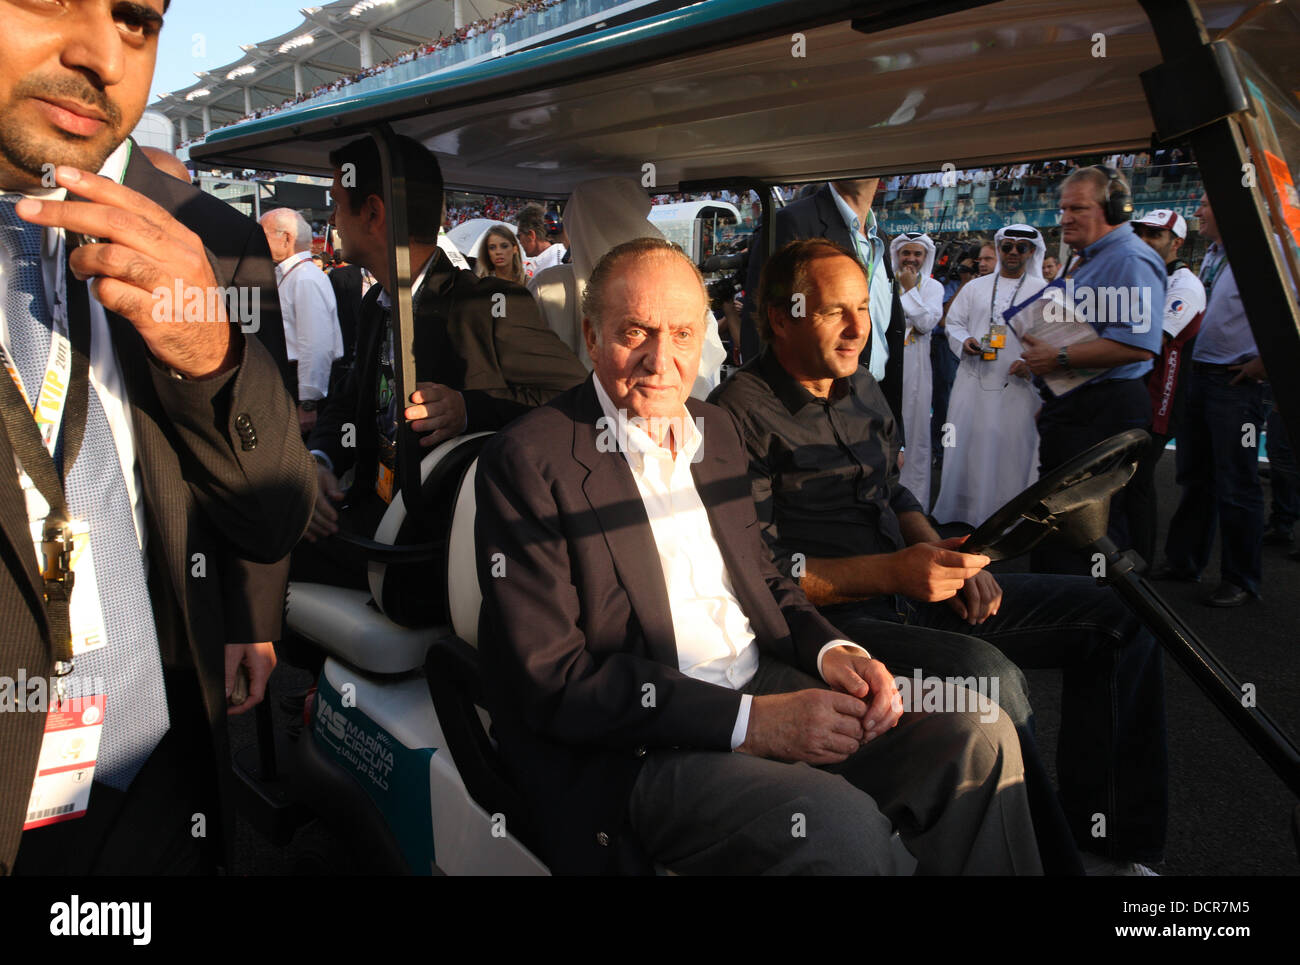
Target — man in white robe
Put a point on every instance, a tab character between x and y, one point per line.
922	298
991	438
599	215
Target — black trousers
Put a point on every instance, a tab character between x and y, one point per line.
1071	424
151	827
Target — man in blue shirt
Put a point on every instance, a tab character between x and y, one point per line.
1218	473
1116	283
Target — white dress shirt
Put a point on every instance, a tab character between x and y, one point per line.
312	337
714	639
553	255
105	373
1184	300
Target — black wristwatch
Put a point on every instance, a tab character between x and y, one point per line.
1063	359
308	405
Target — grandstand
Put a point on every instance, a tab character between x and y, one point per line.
352	46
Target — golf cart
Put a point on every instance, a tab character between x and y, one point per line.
739	95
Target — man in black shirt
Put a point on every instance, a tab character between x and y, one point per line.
823	465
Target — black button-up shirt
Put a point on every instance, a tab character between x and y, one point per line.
824	471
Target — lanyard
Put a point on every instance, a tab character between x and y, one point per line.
1076	261
993	299
296	264
33	436
1210	273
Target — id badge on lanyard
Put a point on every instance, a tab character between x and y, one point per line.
85	614
70	744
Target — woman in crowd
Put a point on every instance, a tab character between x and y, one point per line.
498	255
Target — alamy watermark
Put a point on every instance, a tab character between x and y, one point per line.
39	694
613	433
1121	306
193	303
126	919
949	695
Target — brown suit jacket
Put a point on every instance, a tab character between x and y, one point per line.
206	490
576	637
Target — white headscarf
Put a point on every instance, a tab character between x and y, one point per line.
1035	266
602	214
906	238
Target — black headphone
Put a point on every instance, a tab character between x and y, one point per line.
1118	207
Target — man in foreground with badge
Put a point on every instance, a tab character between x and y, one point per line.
153	447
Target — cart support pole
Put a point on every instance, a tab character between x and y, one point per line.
393	171
1205	669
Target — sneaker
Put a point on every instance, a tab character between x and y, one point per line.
1227	595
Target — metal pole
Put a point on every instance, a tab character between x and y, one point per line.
1206	670
393	171
1191	72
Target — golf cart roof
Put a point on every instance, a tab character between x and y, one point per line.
784	90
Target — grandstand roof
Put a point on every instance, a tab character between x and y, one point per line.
326	45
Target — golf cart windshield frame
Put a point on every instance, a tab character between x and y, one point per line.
1195	93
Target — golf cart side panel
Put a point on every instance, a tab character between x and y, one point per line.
386	735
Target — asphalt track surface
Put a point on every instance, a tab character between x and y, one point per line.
1229	813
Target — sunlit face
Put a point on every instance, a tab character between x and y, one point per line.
74	80
354	239
988	260
1205	215
500	252
1050	267
911	256
1082	219
531	244
1016	253
825	344
279	239
652	332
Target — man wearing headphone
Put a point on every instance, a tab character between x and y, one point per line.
1115	282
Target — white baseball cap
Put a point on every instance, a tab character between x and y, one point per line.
1165	218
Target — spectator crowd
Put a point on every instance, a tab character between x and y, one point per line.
484	25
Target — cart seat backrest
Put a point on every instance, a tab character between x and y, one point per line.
463	595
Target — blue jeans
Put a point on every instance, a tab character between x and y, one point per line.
1284	478
1219	474
1112	763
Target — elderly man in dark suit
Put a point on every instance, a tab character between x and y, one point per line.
655	682
164	451
840	211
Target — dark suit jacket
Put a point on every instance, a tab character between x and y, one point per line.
497	352
346	282
578	627
206	490
819	217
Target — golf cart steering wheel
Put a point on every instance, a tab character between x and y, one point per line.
1073	499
